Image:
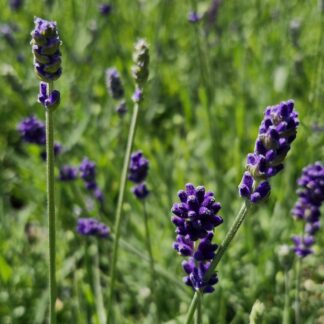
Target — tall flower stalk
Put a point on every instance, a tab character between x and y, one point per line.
277	131
47	63
307	209
140	74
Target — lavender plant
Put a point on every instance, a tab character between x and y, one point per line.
307	209
47	63
140	74
276	133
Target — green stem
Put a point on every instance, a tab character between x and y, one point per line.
198	313
220	252
51	207
297	299
286	314
149	250
97	287
130	141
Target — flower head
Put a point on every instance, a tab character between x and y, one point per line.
276	133
32	130
195	218
46	49
138	167
92	227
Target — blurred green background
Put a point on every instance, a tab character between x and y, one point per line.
208	87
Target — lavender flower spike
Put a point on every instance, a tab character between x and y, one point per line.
92	227
276	133
307	207
141	59
195	218
114	84
46	49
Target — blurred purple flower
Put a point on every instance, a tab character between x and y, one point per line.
307	207
68	173
32	130
105	9
92	227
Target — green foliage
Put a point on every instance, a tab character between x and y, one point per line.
191	130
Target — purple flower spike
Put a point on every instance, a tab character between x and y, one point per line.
32	130
114	84
46	49
68	173
92	227
195	219
276	133
307	207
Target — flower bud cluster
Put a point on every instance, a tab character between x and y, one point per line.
195	218
276	133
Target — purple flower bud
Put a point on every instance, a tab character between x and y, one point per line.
16	4
141	191
105	9
194	17
121	109
138	95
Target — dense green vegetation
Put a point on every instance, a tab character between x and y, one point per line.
209	84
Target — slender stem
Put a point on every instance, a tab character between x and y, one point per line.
286	314
97	287
297	299
198	313
130	141
149	250
220	252
192	308
51	207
